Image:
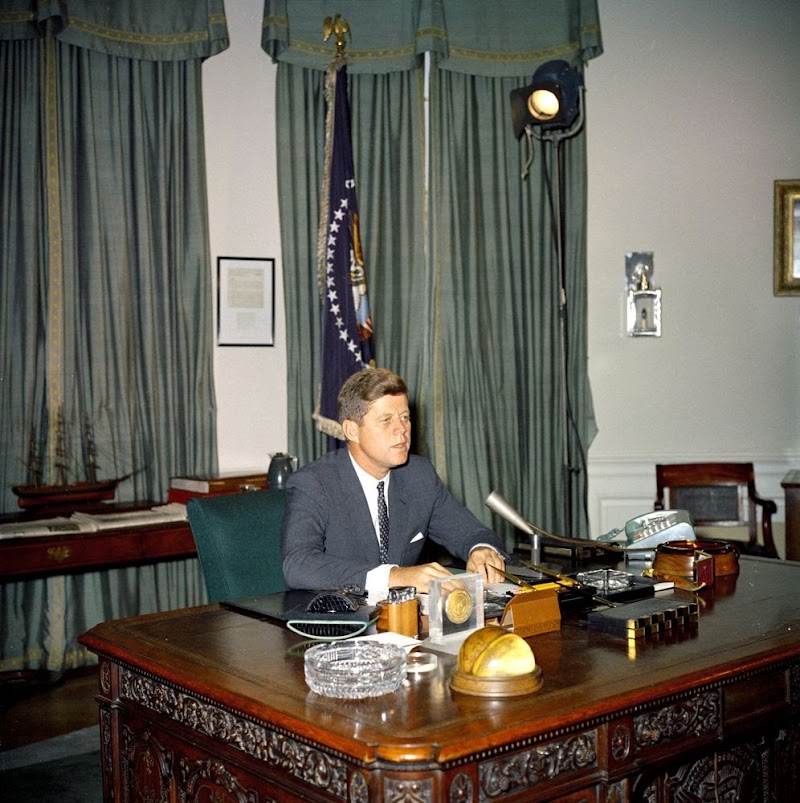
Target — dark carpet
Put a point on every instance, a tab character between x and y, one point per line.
76	779
65	769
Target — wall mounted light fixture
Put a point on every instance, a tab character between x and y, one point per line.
643	313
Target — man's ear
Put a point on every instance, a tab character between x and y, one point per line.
350	429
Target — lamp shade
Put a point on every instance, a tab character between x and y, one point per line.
550	101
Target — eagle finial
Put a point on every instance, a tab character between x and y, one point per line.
338	26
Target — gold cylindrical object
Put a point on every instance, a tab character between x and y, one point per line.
399	612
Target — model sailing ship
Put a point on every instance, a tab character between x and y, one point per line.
63	493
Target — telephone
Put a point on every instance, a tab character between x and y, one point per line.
644	533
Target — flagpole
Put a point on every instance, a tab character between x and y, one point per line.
346	324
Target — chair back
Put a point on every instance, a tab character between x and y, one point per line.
238	539
717	494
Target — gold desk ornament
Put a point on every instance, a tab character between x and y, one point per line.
493	662
455	607
339	27
458	606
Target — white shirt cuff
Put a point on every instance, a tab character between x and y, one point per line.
377	582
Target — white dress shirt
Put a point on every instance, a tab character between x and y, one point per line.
377	581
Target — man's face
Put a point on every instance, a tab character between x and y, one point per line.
382	440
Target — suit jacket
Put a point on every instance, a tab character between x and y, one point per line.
328	539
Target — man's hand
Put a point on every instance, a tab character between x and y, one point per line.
418	576
488	562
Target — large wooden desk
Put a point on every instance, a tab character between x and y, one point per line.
206	704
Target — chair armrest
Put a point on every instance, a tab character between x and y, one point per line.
768	505
768	509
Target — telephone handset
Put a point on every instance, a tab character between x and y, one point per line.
644	533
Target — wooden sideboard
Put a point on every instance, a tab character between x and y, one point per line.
791	491
57	584
30	556
208	704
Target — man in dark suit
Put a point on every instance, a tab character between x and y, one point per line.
331	536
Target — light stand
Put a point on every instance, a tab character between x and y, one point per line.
556	137
560	118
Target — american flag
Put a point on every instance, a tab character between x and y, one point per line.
347	323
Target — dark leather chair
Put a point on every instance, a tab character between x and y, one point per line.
719	495
238	539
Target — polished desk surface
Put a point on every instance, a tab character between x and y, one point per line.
255	669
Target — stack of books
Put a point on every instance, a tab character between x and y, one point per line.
182	489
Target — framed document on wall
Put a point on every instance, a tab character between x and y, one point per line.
787	238
245	301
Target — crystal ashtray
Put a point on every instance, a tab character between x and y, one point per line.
356	669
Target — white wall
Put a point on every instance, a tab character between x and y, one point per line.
693	112
239	100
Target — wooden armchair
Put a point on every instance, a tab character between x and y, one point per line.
719	495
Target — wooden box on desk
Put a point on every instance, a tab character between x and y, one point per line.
530	613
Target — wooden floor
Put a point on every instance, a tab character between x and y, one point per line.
32	711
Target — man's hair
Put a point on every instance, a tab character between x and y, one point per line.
365	387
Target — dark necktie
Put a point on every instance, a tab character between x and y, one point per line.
383	524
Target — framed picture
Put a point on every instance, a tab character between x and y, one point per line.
245	301
787	238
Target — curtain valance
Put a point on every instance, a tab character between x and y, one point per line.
149	30
387	35
513	37
501	38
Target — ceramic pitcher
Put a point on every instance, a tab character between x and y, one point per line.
280	467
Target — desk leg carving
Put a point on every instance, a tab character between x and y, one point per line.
146	766
210	779
787	760
107	753
401	790
359	789
741	773
461	789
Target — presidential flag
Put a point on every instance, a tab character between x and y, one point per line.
346	319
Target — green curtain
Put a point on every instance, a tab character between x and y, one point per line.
497	378
105	282
23	267
106	274
463	280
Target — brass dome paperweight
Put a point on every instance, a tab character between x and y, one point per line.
494	662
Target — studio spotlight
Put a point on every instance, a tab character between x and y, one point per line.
552	100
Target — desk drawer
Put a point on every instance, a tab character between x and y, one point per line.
755	698
34	556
